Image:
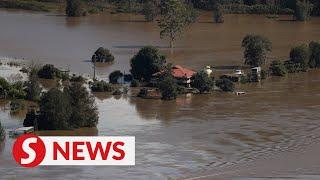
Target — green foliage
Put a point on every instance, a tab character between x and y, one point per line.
146	62
48	71
33	90
55	111
101	86
277	68
168	87
151	9
295	67
17	91
202	82
256	48
24	4
129	6
114	76
59	110
84	109
218	13
102	55
255	9
2	133
225	85
4	84
30	119
175	16
314	61
303	10
78	79
73	8
300	55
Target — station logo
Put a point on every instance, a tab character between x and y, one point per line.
31	151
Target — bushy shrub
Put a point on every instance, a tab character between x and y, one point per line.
202	82
78	79
102	55
277	68
168	87
225	85
48	71
146	62
114	76
73	8
101	86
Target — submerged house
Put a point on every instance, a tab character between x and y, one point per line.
181	74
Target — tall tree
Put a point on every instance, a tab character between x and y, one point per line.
84	109
218	13
314	61
256	48
73	8
151	9
146	62
2	133
303	10
175	17
55	110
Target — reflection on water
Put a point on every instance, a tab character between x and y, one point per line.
192	133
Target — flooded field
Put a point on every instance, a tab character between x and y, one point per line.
174	139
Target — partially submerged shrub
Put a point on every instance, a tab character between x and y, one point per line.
2	133
101	86
225	85
48	71
114	76
102	55
277	68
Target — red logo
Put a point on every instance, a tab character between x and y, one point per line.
29	150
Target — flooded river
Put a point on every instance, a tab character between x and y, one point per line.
174	139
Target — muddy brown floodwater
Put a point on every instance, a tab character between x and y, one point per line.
176	139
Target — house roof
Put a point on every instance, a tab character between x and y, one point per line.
181	72
178	71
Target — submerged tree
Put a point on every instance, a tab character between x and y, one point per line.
303	10
146	62
277	68
314	61
300	55
175	16
73	8
55	111
114	76
84	109
169	88
151	9
202	82
225	85
256	48
218	12
2	133
33	89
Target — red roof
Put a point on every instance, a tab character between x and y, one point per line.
180	72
